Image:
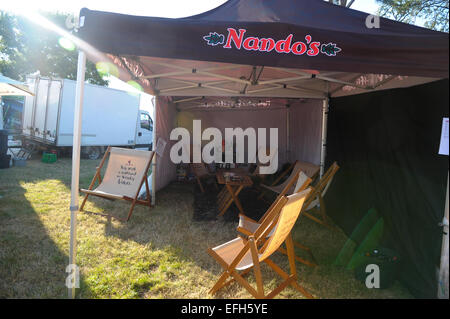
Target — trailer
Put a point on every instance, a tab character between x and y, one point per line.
110	117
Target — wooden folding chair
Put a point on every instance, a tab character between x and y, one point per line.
315	202
243	255
125	174
311	170
201	171
247	226
294	170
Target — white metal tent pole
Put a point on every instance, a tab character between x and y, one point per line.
323	151
288	144
443	270
76	166
153	190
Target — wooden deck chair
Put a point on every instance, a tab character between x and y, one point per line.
243	255
315	201
311	170
125	173
247	226
201	171
279	188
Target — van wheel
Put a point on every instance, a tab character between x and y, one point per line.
93	152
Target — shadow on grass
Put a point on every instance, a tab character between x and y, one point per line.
159	253
33	253
170	227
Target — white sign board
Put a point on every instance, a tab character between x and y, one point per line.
443	147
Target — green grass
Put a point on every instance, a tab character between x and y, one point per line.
159	253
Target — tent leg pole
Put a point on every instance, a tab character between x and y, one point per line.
323	150
288	144
155	156
72	285
443	270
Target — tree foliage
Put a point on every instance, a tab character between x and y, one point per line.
26	47
433	12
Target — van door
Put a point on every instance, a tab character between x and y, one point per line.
144	137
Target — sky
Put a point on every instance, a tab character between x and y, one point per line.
156	8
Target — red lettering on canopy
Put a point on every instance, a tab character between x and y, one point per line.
233	36
284	46
296	50
314	49
253	46
267	44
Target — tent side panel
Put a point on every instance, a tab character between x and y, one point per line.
386	144
305	130
244	119
165	119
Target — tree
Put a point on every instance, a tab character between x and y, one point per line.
10	46
26	47
433	12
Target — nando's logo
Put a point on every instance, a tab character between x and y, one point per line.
237	39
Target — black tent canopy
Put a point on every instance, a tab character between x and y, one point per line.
324	37
304	48
274	49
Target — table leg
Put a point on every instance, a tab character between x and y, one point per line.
233	198
236	199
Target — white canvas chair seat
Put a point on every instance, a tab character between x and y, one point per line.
251	225
302	177
102	194
242	255
229	250
125	173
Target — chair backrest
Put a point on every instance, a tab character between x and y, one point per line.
125	171
310	169
303	181
294	172
326	179
286	220
322	186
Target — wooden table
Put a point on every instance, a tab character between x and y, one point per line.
231	190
